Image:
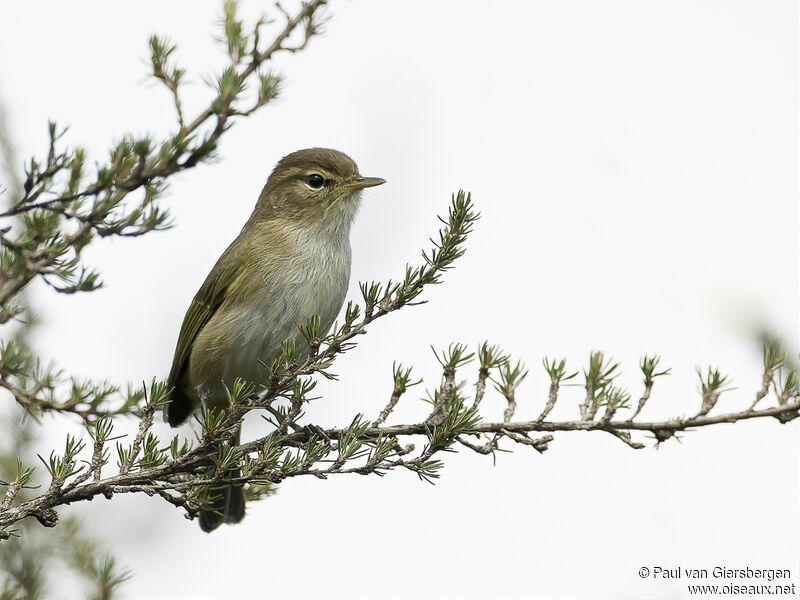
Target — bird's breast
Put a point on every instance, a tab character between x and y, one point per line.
281	291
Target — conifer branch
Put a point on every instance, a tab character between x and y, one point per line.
63	208
182	473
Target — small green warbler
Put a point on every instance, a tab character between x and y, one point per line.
291	261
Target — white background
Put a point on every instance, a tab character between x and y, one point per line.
636	167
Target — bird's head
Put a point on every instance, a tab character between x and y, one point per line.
313	185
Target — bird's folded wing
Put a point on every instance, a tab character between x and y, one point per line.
217	286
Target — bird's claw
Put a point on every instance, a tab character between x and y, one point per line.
318	431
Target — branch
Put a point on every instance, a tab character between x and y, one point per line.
182	474
662	430
56	191
60	209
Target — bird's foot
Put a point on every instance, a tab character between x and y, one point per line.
317	431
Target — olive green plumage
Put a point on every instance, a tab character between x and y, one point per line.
208	299
290	262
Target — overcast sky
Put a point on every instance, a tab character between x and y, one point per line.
636	167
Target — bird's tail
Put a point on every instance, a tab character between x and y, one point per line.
179	406
227	502
227	507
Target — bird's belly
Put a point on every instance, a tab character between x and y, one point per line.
254	332
265	326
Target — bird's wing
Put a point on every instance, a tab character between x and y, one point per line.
220	282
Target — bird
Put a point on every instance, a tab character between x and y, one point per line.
291	261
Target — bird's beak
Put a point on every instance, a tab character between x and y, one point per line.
363	182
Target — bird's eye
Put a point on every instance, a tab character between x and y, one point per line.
315	181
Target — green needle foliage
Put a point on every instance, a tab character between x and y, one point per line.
557	370
31	553
65	204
